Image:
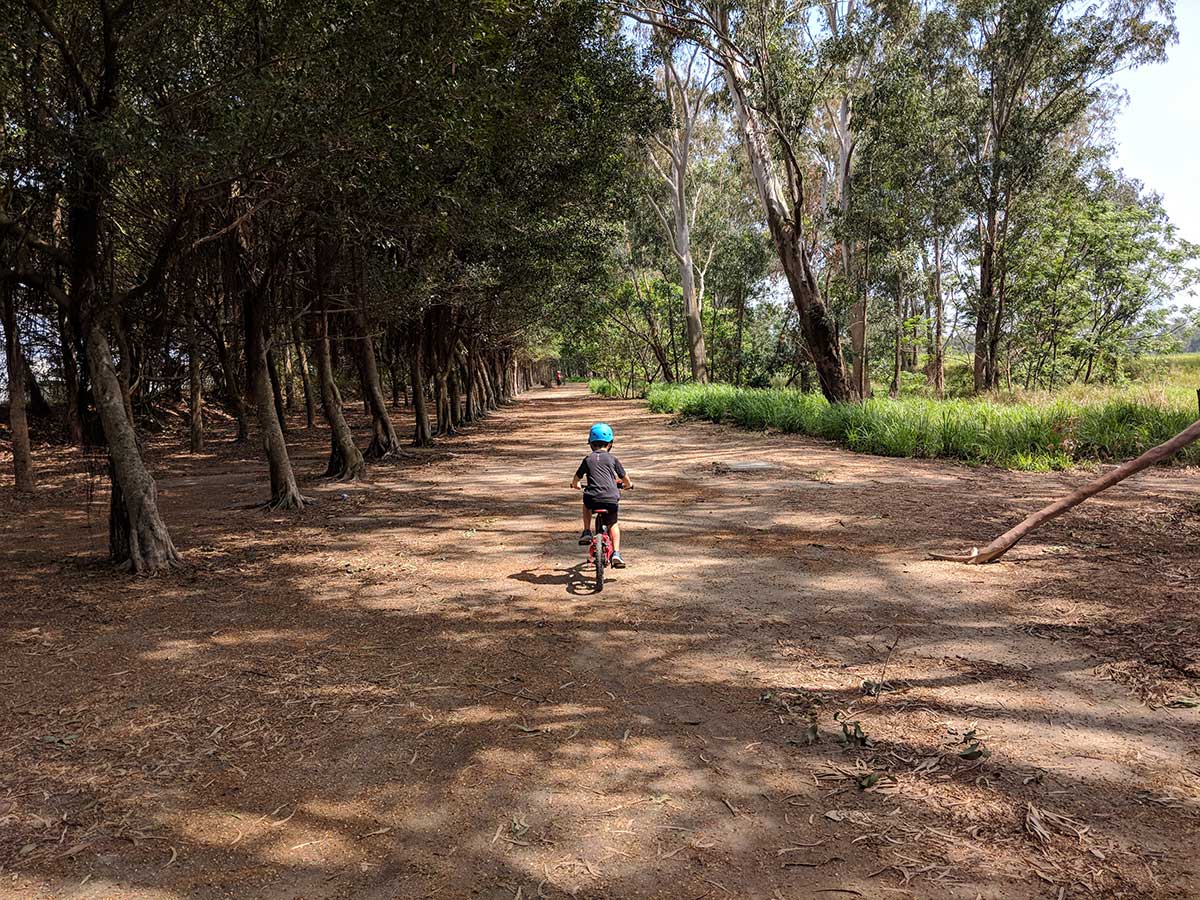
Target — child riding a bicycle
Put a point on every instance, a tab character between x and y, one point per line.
602	494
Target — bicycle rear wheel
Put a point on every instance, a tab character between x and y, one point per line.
598	553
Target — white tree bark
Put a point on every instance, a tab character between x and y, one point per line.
686	96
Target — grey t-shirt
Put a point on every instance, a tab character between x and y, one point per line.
601	469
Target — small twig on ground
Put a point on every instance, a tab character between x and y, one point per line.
879	686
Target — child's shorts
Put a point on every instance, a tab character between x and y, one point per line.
609	509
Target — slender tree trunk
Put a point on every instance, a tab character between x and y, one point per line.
454	397
276	391
860	376
384	441
741	318
894	390
692	321
305	377
18	423
285	492
939	322
421	434
232	389
289	378
195	383
986	310
346	463
471	369
76	402
227	347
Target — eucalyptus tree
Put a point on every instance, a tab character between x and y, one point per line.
911	187
1036	66
686	78
1100	266
772	66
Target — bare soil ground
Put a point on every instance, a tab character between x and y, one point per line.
410	690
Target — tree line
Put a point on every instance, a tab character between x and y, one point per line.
265	203
257	202
917	178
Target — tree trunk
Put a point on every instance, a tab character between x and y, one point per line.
346	463
276	392
289	378
984	368
454	398
442	403
741	318
384	441
138	538
692	321
421	434
860	376
39	406
18	423
232	390
285	493
195	397
76	401
472	369
894	390
1155	455
305	378
939	316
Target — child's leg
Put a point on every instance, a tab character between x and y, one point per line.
587	519
615	531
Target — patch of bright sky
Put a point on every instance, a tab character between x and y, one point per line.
1158	132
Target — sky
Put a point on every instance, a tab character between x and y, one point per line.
1158	133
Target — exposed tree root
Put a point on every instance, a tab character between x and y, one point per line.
292	502
380	449
1006	541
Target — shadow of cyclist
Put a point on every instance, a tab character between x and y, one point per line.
576	582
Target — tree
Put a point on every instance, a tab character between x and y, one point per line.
687	92
15	365
770	68
1036	66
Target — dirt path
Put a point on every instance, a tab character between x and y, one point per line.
409	690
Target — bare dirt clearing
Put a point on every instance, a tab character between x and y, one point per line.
410	690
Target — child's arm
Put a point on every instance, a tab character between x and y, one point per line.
578	474
624	481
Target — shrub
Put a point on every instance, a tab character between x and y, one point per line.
604	387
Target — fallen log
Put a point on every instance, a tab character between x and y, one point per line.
1005	542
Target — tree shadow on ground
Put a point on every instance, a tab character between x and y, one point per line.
350	702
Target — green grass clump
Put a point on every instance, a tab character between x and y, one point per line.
604	388
1052	434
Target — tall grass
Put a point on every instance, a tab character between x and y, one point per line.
1052	434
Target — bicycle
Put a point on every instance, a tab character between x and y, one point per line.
600	550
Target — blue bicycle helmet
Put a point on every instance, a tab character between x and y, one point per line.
600	432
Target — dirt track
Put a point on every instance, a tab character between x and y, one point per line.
409	689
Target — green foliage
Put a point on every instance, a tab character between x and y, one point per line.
1030	436
605	388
